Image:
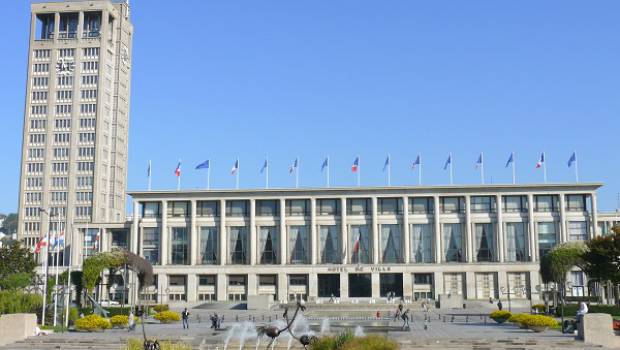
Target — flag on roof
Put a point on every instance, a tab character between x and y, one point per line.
511	159
415	163
448	162
541	160
204	165
356	164
177	171
572	159
235	167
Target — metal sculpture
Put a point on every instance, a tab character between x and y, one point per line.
274	332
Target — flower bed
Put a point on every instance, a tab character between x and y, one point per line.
167	316
119	321
538	323
92	323
500	316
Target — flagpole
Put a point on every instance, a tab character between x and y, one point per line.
209	176
297	172
576	167
266	172
56	278
420	172
327	174
389	169
237	174
68	296
514	177
150	170
179	177
482	168
359	170
451	171
545	167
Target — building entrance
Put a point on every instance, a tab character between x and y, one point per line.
329	285
391	284
360	285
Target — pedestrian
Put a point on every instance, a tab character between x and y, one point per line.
331	298
583	309
405	317
499	305
399	311
131	322
185	317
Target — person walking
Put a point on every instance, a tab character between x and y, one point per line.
500	306
405	317
185	318
131	322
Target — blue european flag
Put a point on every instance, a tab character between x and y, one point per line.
204	165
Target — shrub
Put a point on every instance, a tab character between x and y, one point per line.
119	321
571	309
539	321
14	302
92	323
167	316
74	314
500	316
539	307
324	343
517	318
370	342
137	344
118	311
161	307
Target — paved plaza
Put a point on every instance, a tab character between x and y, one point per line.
474	335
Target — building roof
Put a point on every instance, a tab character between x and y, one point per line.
508	188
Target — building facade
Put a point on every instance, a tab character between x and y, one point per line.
480	242
74	153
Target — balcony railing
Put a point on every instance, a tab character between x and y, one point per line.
91	34
67	35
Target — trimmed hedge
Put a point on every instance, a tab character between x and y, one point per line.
167	316
370	342
518	318
92	323
571	309
500	314
137	344
538	321
161	307
119	321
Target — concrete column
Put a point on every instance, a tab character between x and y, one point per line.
563	236
531	228
252	284
501	246
313	287
535	281
470	285
194	231
253	238
468	231
162	281
344	232
438	283
375	232
283	233
344	286
437	222
135	239
221	287
314	240
192	288
163	234
376	285
57	29
593	232
80	31
502	281
282	286
223	236
408	285
406	243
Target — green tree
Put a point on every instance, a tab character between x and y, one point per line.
602	260
19	280
10	223
16	259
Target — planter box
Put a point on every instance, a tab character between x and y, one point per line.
500	320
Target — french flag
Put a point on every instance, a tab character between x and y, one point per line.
177	171
541	160
235	168
40	244
356	165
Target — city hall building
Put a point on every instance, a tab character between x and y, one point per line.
478	241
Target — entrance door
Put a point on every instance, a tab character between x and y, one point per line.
360	285
391	283
329	285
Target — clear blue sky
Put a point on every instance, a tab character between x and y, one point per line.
310	78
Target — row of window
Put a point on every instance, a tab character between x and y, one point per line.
90	52
362	206
56	182
360	245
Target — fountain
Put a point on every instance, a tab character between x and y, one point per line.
325	328
359	331
241	332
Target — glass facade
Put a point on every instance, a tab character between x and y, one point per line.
268	245
359	238
515	241
452	205
237	208
267	207
421	243
484	243
546	203
179	209
208	245
547	237
237	244
577	230
329	244
299	244
421	205
452	236
328	207
390	206
207	208
179	246
391	244
515	204
359	206
150	244
298	207
482	204
577	202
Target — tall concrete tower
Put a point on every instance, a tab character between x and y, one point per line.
76	120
